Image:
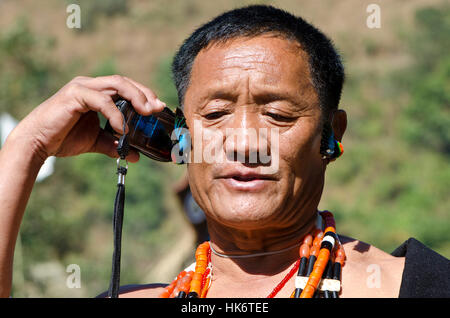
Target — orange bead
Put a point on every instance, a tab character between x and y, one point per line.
304	250
200	270
184	280
195	287
202	257
203	247
314	251
340	260
206	243
318	239
330	229
181	274
320	263
308	292
197	276
314	279
201	263
340	253
200	253
175	292
316	275
323	256
308	240
185	284
164	294
171	287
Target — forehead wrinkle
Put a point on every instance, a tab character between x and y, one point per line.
270	73
238	57
252	58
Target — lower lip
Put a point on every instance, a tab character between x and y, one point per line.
251	185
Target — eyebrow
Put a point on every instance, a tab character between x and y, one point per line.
266	96
225	92
261	95
222	94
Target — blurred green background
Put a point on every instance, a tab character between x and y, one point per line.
391	184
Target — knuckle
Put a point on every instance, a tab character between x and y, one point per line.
73	89
149	92
78	79
117	79
105	100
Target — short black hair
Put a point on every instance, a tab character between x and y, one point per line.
325	63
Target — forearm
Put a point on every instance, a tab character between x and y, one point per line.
19	166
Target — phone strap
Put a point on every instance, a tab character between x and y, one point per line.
122	149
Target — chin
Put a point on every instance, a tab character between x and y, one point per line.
245	211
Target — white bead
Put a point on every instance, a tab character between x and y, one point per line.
330	239
325	284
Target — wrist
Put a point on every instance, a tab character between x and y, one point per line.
24	148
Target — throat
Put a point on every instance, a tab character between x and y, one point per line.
255	244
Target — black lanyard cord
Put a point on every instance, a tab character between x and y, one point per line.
119	202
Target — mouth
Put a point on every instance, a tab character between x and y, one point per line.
247	181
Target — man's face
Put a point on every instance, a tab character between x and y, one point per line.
248	84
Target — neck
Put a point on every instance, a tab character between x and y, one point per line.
280	244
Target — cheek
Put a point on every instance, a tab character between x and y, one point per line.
300	151
195	174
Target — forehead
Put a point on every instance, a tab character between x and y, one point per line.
266	60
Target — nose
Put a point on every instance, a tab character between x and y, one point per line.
244	138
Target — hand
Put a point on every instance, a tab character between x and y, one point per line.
67	123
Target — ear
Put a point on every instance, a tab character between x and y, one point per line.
339	123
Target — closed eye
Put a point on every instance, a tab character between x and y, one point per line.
215	115
279	117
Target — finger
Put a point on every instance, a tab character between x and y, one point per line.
151	96
91	99
117	85
133	156
107	145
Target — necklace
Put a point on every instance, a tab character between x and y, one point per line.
252	255
318	269
284	280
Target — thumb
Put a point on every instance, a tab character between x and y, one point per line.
106	144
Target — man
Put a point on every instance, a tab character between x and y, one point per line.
250	68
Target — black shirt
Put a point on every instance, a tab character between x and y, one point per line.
426	273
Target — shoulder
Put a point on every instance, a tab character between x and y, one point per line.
426	273
369	271
138	291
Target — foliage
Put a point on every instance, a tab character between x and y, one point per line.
394	177
92	11
427	117
27	73
165	84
